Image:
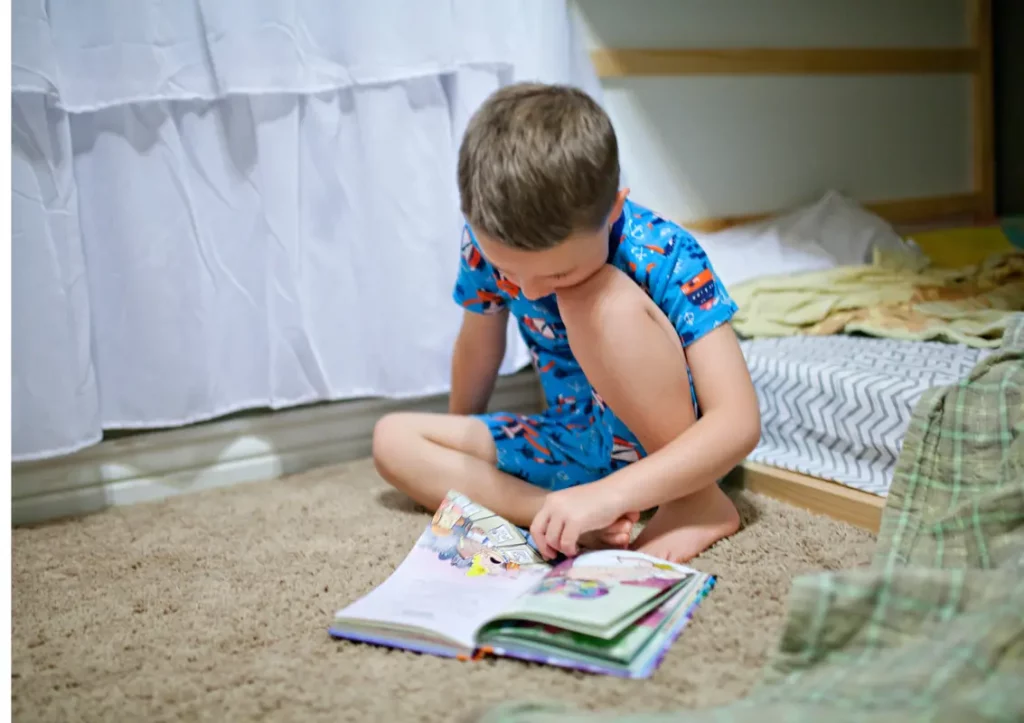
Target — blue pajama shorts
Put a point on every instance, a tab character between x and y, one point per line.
566	445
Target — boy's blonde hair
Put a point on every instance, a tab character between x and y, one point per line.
537	163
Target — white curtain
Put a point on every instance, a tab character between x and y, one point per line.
226	205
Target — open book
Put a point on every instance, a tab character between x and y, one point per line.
473	585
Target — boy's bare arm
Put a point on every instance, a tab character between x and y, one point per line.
479	351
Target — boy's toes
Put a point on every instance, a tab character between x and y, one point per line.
615	539
620	532
623	525
618	535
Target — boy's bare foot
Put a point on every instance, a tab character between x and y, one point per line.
684	528
616	535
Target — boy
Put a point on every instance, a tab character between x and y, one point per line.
649	398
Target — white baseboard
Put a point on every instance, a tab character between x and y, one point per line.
156	465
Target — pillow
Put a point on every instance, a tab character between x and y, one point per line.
833	231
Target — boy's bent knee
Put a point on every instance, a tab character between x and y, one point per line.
391	437
606	301
401	441
610	309
632	355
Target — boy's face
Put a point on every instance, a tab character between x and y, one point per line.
541	273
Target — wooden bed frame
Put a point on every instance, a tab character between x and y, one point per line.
822	496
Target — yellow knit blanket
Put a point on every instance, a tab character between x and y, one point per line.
896	296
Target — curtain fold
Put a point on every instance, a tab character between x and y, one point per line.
220	206
112	52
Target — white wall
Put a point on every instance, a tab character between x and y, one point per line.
694	146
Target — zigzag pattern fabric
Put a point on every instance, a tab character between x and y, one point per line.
837	407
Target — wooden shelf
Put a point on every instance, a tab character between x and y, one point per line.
624	62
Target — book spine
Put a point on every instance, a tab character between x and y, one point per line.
412	646
558	662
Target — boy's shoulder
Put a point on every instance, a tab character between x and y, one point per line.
668	263
648	242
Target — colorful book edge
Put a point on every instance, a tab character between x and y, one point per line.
647	671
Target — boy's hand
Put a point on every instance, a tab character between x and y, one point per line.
569	513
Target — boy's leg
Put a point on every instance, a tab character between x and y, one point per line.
640	371
425	455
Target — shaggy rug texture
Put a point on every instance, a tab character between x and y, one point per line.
215	606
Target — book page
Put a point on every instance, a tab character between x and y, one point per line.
467	567
621	649
598	589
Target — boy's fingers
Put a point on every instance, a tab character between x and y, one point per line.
537	528
539	532
553	535
567	540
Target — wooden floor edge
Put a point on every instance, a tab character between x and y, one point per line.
832	499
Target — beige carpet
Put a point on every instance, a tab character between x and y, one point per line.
215	607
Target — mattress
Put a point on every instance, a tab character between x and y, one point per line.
837	407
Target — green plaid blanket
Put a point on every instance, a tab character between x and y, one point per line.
934	628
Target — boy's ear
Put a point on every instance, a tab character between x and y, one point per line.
620	201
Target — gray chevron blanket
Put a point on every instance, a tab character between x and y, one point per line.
837	407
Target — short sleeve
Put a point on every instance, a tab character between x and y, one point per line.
476	288
685	286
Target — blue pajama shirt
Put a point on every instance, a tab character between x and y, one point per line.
578	439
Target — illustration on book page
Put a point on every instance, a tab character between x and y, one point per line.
474	539
597	574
